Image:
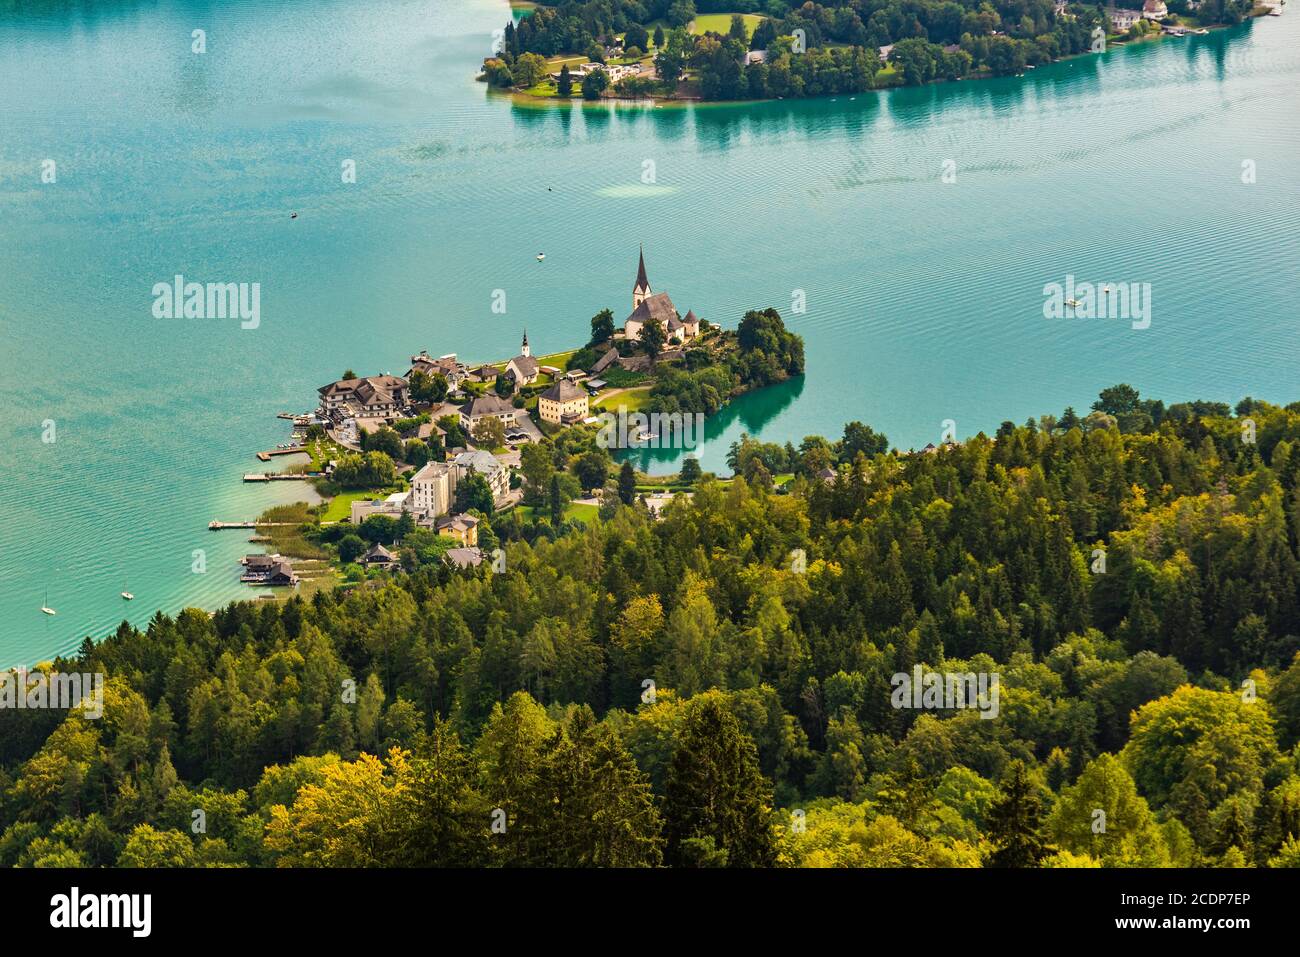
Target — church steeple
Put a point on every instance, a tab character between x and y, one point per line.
524	347
642	288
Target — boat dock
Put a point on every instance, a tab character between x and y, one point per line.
280	476
218	526
295	450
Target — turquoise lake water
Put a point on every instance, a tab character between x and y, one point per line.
924	298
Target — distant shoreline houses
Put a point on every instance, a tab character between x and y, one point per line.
1122	19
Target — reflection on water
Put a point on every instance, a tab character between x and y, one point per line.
748	413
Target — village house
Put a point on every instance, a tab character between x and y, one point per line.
377	556
523	368
384	397
446	366
426	431
564	403
607	359
463	528
281	575
487	465
487	407
615	71
649	306
1154	10
463	557
1122	20
272	570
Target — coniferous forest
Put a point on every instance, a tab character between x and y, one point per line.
716	688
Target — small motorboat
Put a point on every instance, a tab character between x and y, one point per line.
1073	302
128	596
293	215
541	256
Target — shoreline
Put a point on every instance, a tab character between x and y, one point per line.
523	98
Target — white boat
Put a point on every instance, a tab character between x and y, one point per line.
1073	302
46	607
541	256
126	594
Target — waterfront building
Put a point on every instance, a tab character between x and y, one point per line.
650	306
523	368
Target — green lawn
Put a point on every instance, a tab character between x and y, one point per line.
557	359
721	23
888	76
340	506
633	400
572	512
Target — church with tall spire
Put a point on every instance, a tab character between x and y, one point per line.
641	291
523	368
649	306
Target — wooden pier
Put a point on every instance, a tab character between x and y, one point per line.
296	450
281	476
218	526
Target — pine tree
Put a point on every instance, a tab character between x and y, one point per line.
596	805
715	790
556	502
1014	823
627	484
444	819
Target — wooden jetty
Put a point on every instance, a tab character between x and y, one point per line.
295	450
280	476
218	526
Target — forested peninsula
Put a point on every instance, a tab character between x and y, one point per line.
753	50
716	687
